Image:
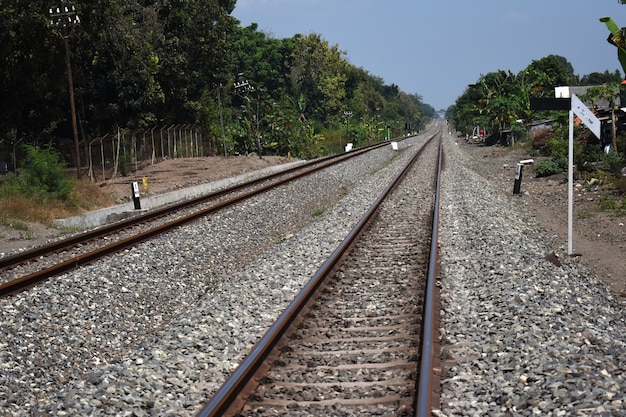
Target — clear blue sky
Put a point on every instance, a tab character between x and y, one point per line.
436	48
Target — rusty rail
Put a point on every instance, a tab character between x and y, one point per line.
425	387
222	401
30	280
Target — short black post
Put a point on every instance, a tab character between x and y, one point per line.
518	178
135	188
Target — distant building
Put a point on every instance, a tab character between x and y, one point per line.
581	91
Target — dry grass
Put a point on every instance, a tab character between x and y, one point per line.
85	196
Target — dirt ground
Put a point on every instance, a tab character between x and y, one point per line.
599	237
179	173
161	177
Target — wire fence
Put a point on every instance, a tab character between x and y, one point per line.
118	154
125	151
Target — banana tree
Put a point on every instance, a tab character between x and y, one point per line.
617	38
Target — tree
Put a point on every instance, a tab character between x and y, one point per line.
262	59
318	71
195	53
503	110
610	93
546	73
493	101
32	76
598	78
117	74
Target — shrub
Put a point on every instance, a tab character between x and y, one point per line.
606	203
548	167
557	148
612	162
562	163
42	175
620	184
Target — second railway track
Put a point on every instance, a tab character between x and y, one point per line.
24	269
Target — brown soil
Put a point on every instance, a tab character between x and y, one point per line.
161	177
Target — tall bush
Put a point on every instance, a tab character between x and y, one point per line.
43	173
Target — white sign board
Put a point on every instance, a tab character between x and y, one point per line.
591	121
561	92
587	117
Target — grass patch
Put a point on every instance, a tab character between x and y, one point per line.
385	164
606	203
44	209
316	212
27	235
13	223
618	207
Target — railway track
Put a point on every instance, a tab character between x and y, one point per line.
358	339
26	269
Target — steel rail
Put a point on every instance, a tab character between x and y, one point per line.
10	261
423	407
28	281
226	396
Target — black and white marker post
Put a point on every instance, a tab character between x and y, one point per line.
135	188
518	174
518	178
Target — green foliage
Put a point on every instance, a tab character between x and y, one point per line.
549	167
612	162
562	163
318	211
557	148
139	64
42	176
598	78
620	185
607	203
617	206
125	161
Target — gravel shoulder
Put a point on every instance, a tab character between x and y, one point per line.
520	335
599	237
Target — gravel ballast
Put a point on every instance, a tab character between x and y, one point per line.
157	329
521	336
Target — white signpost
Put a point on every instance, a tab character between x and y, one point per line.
592	122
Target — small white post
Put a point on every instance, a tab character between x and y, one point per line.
570	184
